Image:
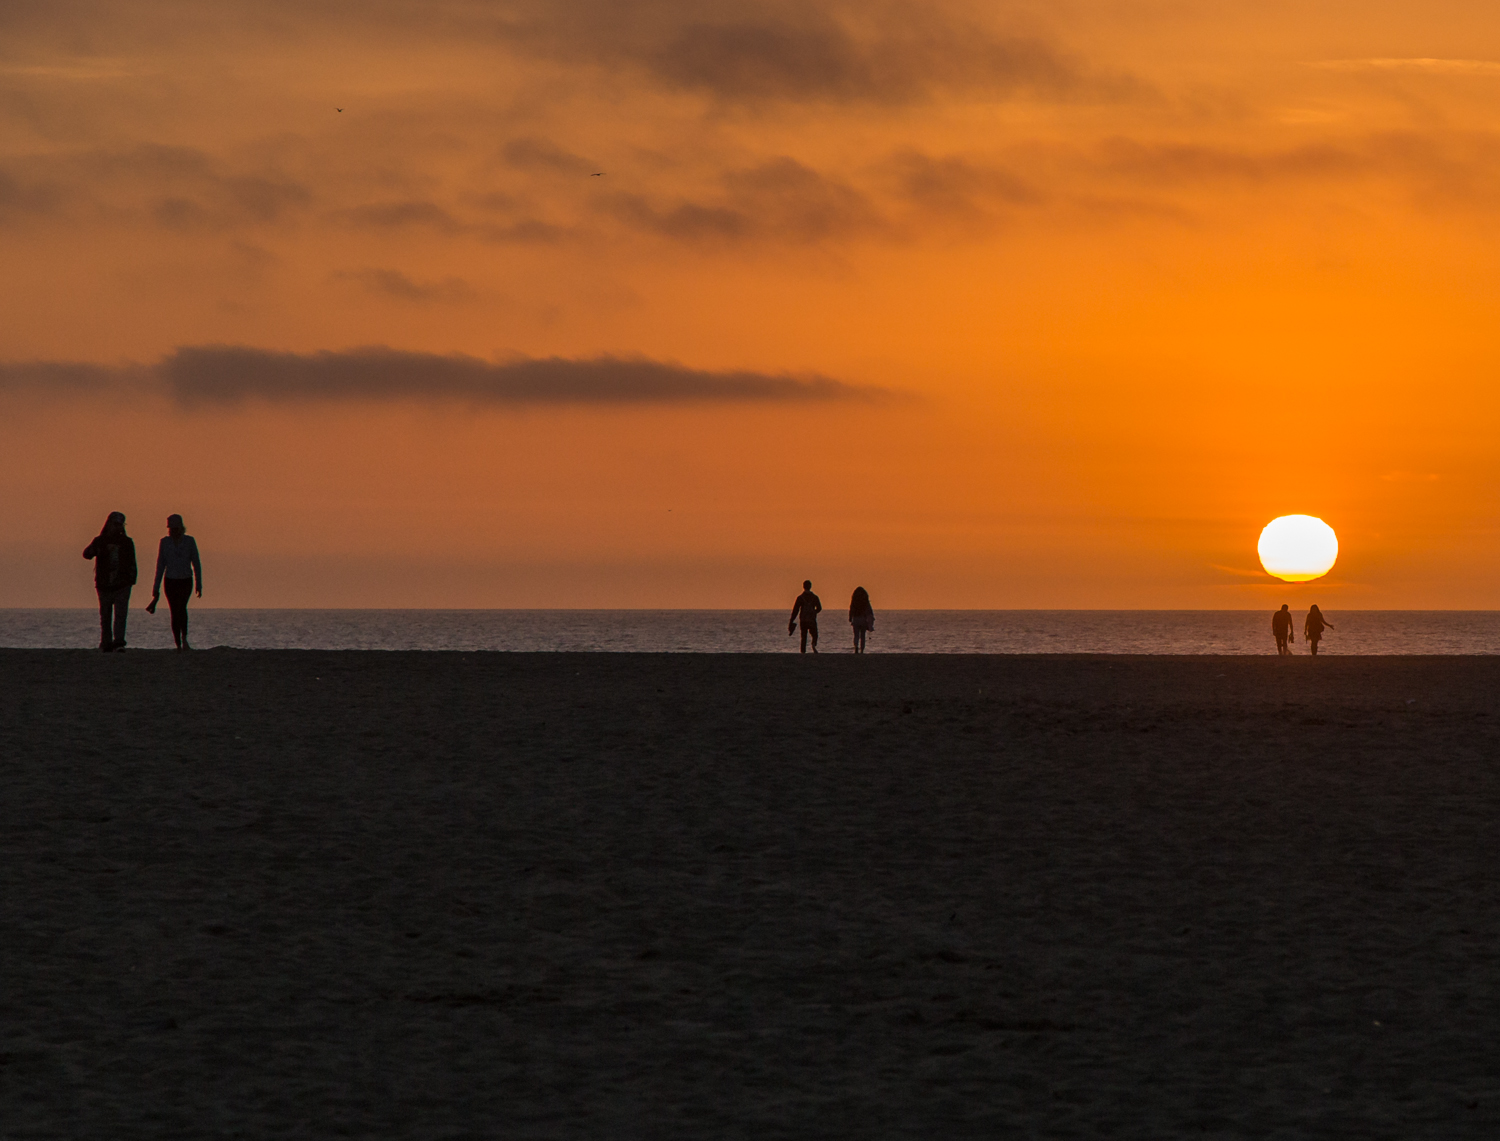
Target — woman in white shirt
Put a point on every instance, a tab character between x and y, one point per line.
177	563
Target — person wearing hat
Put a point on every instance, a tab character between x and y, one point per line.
178	567
113	553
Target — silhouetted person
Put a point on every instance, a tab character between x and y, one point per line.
861	617
1313	627
1281	629
805	610
113	553
177	568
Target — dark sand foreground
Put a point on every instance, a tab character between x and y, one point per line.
256	894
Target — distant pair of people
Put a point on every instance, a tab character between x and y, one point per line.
808	606
1312	629
178	568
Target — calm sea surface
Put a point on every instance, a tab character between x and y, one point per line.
764	631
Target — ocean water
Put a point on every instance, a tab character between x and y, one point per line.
764	631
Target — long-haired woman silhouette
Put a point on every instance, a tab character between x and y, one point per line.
1314	626
178	568
861	617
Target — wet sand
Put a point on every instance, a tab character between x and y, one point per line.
257	894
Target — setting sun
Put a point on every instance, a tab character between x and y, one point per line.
1298	548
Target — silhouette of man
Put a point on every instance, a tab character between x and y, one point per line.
113	553
805	610
1281	629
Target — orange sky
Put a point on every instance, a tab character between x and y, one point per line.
989	305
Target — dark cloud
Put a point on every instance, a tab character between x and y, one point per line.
958	187
883	52
65	378
187	185
177	187
1435	170
526	231
394	284
415	214
817	59
20	200
545	155
779	200
228	374
403	215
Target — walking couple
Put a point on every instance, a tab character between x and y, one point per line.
807	608
177	567
1312	629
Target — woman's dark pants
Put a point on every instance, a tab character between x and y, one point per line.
177	591
114	605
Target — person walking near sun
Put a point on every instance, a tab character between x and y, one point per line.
1281	629
1313	628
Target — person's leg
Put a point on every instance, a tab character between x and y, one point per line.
804	637
815	637
106	613
178	591
122	612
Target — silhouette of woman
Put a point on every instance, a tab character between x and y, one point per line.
861	617
177	560
1313	627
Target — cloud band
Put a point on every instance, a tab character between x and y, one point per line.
196	376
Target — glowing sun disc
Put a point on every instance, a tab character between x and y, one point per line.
1298	548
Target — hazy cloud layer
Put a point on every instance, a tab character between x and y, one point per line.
759	52
229	374
69	378
1420	65
883	52
718	125
177	187
781	200
824	59
394	284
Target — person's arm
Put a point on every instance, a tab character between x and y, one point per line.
197	566
132	572
91	551
161	567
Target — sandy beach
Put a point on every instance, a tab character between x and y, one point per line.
299	894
